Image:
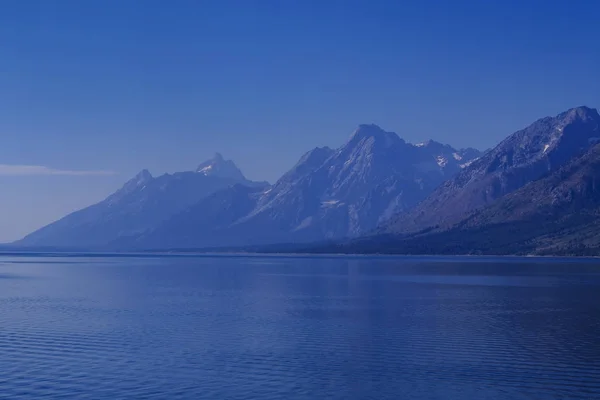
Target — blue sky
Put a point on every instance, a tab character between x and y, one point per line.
109	87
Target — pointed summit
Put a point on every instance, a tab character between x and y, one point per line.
144	175
219	167
140	179
367	130
370	130
579	113
523	157
375	133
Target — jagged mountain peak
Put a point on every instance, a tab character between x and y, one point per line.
557	138
220	167
368	129
329	193
139	180
471	150
469	154
141	204
143	176
582	113
523	157
373	132
436	146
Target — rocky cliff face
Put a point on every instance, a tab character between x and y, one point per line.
527	155
558	214
327	194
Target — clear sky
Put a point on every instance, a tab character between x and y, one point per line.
109	87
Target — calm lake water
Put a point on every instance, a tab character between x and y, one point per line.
298	328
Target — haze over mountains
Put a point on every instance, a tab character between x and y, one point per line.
327	194
523	157
402	197
142	203
536	192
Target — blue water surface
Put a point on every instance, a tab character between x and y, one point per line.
168	327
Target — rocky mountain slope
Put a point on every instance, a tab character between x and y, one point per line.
538	192
558	214
526	156
142	203
327	194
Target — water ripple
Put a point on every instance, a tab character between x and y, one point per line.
307	328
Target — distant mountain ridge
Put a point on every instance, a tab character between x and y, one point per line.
142	203
327	194
221	168
535	192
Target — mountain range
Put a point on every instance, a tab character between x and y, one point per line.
521	158
142	203
328	194
535	192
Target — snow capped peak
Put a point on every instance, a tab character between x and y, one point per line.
219	167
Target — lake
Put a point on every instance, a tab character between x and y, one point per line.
114	327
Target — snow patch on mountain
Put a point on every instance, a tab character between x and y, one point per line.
331	203
219	167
